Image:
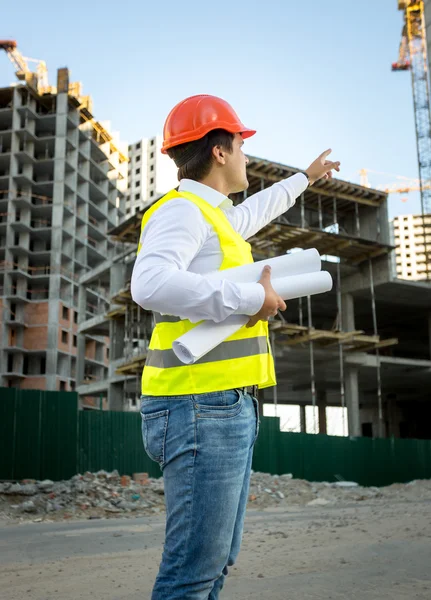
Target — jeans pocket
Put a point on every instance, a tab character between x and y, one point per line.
256	410
154	427
219	405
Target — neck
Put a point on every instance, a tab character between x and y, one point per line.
216	182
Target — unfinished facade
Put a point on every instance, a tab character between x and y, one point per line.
364	346
62	183
410	243
150	174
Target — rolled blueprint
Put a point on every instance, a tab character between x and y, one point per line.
206	336
306	261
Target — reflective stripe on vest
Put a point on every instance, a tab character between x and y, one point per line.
243	359
158	318
166	359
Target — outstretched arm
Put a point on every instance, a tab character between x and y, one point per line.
260	209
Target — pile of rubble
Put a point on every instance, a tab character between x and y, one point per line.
104	495
91	495
272	490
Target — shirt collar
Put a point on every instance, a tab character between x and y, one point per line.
208	194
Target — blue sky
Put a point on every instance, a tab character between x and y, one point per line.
307	75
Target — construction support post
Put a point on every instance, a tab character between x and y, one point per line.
379	379
392	415
319	204
357	221
80	351
348	312
302	204
352	398
115	390
302	418
334	209
321	403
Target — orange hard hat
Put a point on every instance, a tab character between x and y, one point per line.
192	118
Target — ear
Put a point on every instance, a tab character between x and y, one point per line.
219	155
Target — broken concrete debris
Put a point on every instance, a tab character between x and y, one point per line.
105	495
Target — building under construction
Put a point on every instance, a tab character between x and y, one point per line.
409	235
364	346
62	184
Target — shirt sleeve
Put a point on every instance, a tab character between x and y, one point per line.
160	280
265	206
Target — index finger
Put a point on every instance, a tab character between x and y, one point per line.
326	153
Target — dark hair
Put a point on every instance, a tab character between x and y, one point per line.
194	159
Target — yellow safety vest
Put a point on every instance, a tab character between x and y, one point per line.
244	359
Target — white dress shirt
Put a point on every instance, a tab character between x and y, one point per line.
179	246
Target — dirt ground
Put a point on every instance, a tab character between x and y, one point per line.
352	551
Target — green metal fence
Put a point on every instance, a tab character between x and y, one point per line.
112	440
330	458
38	434
44	435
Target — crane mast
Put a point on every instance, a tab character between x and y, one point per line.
413	57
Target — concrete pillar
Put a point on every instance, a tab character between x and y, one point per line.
321	404
302	418
117	277
56	243
392	413
80	350
53	337
116	338
116	397
348	312
4	342
116	345
352	401
9	234
374	223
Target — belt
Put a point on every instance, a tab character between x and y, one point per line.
249	389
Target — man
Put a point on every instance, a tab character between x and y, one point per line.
200	421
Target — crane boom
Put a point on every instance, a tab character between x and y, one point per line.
38	80
10	47
396	188
403	185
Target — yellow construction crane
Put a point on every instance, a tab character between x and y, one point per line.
413	57
38	79
396	188
403	186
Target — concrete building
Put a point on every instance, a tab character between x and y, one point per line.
150	175
364	346
408	237
62	184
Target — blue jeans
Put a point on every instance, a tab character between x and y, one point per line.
204	446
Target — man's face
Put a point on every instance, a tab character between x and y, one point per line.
236	166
